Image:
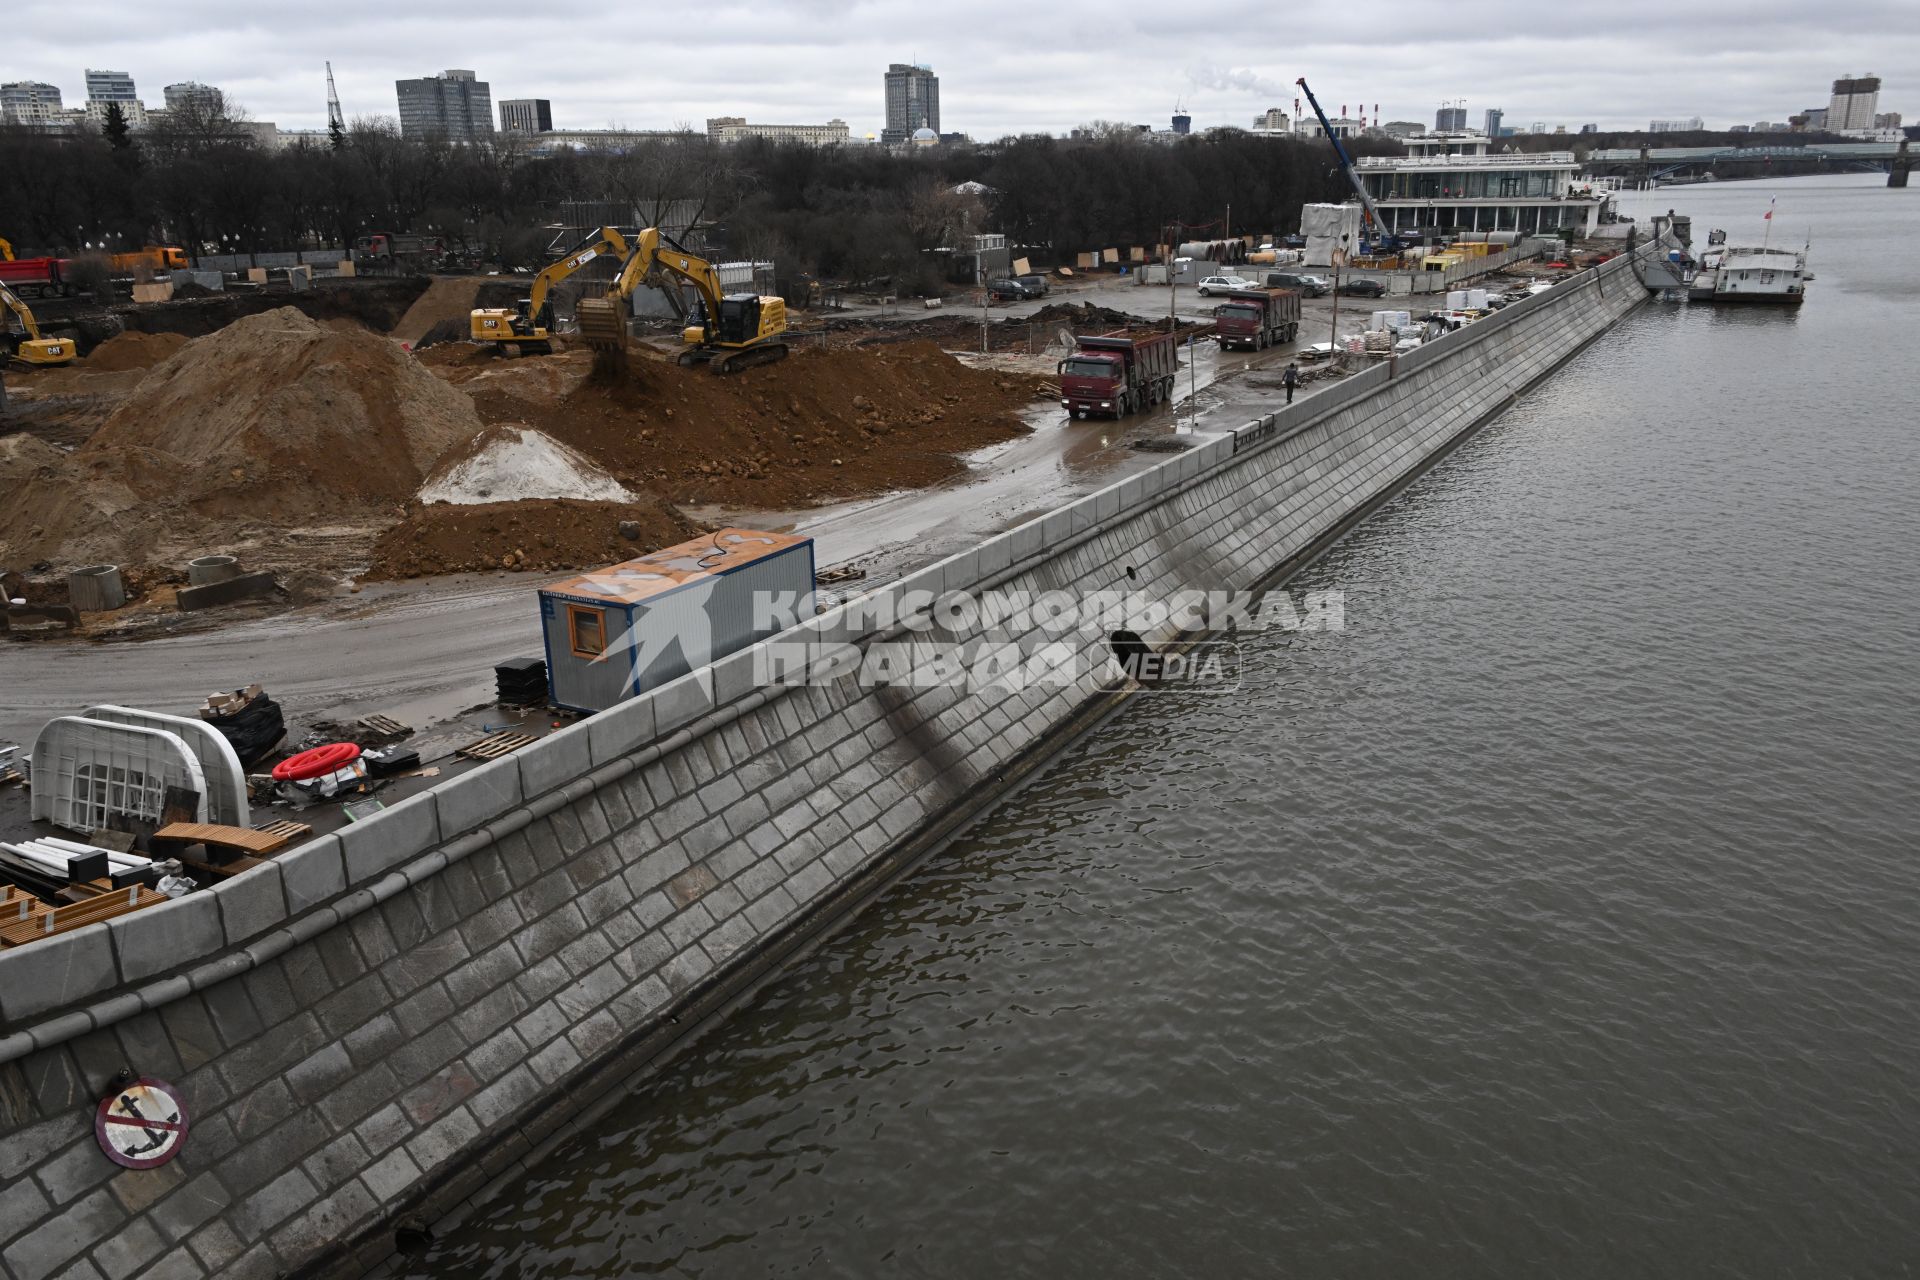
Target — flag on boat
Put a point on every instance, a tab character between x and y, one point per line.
1768	216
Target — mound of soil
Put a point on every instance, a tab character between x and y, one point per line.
821	424
277	418
543	533
446	301
133	350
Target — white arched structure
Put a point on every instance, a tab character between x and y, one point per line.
226	780
86	771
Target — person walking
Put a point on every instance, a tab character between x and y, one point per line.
1290	379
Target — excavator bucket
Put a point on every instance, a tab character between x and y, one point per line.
602	324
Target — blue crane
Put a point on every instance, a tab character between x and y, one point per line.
1372	234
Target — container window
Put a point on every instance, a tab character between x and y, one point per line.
587	631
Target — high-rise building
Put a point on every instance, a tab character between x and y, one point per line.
193	95
1272	120
1494	116
1451	117
453	104
1887	120
526	115
1854	102
1183	123
29	102
913	102
110	86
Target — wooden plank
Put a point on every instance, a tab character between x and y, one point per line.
285	828
214	833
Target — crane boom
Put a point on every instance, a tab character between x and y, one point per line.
1373	228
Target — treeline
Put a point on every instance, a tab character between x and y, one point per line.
839	213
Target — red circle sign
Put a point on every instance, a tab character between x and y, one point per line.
142	1125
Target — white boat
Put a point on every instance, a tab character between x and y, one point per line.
1752	273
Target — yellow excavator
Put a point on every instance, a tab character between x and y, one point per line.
34	350
726	331
529	326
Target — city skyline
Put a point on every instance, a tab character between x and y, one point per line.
791	68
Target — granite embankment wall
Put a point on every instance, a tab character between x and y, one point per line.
380	1023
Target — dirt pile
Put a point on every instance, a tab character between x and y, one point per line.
821	424
446	300
547	535
277	418
132	350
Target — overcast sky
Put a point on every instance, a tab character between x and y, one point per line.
1004	67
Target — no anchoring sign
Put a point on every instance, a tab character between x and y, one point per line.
141	1125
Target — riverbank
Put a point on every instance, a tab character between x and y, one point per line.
447	982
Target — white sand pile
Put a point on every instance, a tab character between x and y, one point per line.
506	464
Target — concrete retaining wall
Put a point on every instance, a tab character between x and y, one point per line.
385	1021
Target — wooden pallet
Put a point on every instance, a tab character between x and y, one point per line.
214	834
495	745
385	725
840	573
105	906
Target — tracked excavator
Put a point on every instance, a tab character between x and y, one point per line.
34	350
528	327
725	331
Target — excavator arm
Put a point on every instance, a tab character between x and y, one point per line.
36	350
532	329
729	342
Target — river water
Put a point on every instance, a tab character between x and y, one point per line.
1558	917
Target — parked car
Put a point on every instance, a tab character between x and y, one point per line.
1309	286
1036	284
1222	284
1011	290
1363	289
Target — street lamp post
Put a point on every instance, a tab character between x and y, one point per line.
1333	332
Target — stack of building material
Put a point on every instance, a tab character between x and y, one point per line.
1328	228
25	919
248	719
521	681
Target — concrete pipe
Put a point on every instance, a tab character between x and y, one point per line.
96	588
208	569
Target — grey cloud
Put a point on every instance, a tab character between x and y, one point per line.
1005	67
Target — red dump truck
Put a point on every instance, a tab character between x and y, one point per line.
1256	318
1117	373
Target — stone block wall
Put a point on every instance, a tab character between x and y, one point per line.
383	1022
